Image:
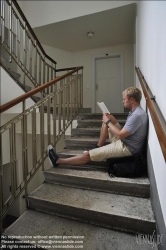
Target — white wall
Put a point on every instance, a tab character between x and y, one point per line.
56	11
11	90
151	55
152	46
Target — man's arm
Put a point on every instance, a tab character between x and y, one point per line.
120	134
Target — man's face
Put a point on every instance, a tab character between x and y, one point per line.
126	101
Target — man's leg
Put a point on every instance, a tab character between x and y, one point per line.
103	135
55	160
75	160
82	158
115	149
104	131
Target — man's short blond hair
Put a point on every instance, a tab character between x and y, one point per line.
133	92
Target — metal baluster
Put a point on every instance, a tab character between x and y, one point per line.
59	109
52	76
24	51
64	105
48	122
2	21
1	184
18	40
77	91
54	114
10	30
16	36
55	111
43	69
82	89
24	151
14	158
30	57
68	98
42	129
35	66
39	70
47	78
71	93
26	146
34	149
55	71
74	96
11	157
44	72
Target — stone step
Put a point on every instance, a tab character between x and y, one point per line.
94	123
65	153
109	210
15	74
92	132
86	116
84	143
94	237
25	87
97	179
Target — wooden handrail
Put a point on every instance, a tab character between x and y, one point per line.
161	134
32	32
32	92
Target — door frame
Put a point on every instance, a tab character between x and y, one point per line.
104	56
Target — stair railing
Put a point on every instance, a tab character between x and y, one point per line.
24	154
156	115
20	44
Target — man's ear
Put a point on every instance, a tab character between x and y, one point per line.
132	99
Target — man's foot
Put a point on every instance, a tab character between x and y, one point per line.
52	156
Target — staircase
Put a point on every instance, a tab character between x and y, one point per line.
84	203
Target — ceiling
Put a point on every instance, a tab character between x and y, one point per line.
110	27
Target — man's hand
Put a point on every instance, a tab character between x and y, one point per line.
106	117
121	134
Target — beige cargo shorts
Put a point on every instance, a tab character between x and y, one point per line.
116	148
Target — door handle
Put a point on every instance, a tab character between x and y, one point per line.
96	86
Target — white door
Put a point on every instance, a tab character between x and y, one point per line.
108	84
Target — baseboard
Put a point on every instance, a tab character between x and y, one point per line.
160	225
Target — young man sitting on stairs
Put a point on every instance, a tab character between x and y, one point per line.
123	142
